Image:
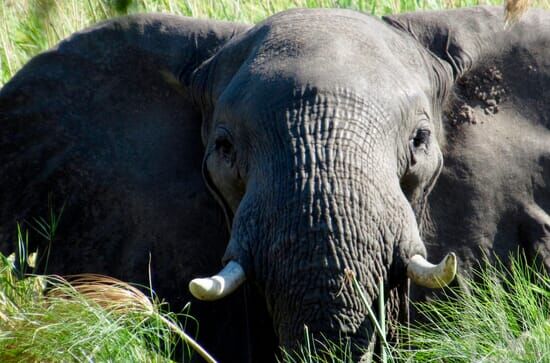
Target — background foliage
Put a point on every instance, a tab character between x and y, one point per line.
28	27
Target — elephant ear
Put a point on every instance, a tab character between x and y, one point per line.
466	37
488	63
101	125
497	125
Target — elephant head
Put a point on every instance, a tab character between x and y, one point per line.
322	131
322	134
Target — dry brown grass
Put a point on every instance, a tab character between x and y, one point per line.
119	297
514	9
107	292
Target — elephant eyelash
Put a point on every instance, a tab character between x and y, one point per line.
421	138
225	148
223	145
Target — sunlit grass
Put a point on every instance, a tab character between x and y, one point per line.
28	27
318	351
501	316
82	319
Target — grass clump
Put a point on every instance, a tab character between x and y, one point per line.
502	315
87	318
318	350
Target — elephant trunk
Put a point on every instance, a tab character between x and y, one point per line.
328	199
334	204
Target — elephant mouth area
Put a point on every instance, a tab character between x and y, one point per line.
336	321
347	326
321	296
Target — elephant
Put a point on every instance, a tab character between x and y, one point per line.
287	152
492	197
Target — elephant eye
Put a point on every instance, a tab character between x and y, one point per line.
421	138
224	148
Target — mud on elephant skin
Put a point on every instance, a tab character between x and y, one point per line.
493	195
318	132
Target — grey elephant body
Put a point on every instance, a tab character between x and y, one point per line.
321	133
492	197
120	149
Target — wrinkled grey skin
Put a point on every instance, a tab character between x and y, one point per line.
310	176
493	195
323	132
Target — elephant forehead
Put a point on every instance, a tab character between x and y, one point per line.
282	101
311	114
321	49
326	46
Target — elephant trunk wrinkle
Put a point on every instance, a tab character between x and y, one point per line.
329	200
304	270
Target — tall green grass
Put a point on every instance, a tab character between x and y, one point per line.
89	318
503	315
28	27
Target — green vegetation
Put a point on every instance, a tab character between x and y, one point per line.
92	318
28	27
502	317
319	351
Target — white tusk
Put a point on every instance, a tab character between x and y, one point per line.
220	285
423	273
